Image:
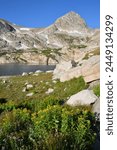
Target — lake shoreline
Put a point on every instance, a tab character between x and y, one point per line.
28	64
6	77
19	69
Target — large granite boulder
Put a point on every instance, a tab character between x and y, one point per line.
91	69
61	68
85	97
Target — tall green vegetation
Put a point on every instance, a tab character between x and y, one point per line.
55	127
44	121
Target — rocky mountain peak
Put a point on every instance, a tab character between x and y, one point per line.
71	22
68	38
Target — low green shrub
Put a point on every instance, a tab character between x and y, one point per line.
67	128
56	127
14	129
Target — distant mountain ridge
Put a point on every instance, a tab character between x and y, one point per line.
52	44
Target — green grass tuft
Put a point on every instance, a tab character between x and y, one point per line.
96	90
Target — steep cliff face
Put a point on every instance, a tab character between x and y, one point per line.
68	38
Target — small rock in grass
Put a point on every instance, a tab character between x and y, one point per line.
38	71
30	94
26	83
30	73
47	83
49	91
24	74
24	89
65	89
54	81
35	74
49	71
29	86
4	81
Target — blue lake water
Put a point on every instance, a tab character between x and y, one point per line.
18	69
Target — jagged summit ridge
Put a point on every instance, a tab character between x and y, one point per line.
71	24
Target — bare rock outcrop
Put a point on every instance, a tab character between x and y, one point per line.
89	69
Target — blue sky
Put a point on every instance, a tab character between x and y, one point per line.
42	13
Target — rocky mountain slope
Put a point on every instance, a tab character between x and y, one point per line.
69	38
